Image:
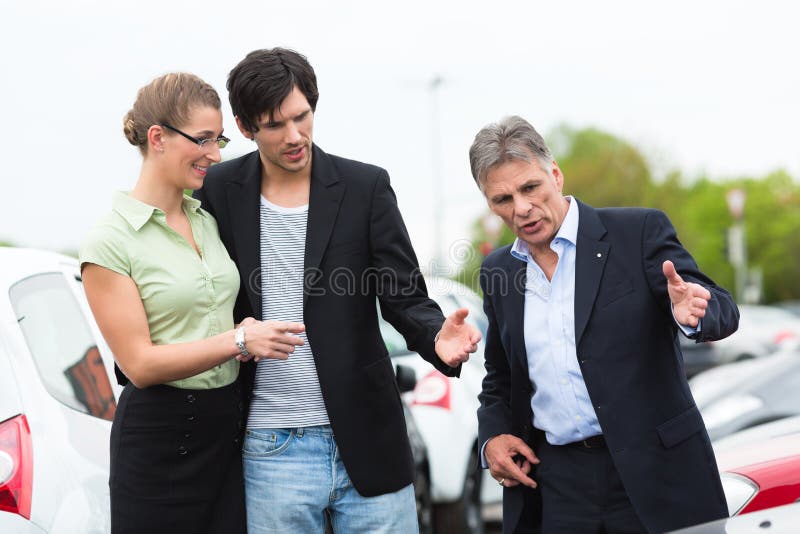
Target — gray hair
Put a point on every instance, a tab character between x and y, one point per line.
513	138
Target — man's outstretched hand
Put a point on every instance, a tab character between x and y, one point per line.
689	300
457	339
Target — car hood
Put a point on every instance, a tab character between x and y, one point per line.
739	377
762	455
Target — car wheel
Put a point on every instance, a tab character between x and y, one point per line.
464	515
422	494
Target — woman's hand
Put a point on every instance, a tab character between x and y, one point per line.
271	339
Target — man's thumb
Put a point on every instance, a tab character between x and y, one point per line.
668	268
459	315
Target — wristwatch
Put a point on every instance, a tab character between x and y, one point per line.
238	337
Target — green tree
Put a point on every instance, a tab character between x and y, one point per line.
601	169
772	226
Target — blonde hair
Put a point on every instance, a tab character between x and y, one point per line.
167	99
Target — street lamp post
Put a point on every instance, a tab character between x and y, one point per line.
737	245
438	178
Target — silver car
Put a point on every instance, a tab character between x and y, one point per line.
762	330
57	398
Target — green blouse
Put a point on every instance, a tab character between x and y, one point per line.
186	297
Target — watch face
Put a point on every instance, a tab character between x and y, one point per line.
239	339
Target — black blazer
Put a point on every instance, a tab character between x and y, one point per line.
630	359
357	251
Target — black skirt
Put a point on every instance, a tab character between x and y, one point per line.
176	462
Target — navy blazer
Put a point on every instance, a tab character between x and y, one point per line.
627	346
358	253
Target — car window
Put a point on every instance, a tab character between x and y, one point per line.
63	348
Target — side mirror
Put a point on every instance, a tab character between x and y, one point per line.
406	378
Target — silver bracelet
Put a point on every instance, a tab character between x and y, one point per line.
238	337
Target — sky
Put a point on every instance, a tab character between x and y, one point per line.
707	87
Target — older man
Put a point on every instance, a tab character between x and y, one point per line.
586	416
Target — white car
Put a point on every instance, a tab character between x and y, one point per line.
778	520
56	399
762	331
445	411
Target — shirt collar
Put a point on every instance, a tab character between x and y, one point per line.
137	213
567	232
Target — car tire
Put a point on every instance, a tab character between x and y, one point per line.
463	515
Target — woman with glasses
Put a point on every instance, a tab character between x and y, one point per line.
162	288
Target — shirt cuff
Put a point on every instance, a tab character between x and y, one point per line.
484	463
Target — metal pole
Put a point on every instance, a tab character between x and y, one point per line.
438	180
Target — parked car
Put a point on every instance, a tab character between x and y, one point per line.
761	475
754	434
745	394
445	410
762	330
57	399
778	520
792	306
697	357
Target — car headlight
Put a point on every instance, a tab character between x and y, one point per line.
729	408
738	490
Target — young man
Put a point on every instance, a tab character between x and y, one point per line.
319	239
583	365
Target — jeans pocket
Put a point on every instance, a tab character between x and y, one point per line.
260	443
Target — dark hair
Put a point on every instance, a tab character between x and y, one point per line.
264	78
169	98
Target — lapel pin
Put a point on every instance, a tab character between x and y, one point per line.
599	255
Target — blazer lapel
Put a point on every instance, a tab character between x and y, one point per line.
323	207
244	196
590	260
517	276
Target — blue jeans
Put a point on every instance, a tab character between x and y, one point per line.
293	475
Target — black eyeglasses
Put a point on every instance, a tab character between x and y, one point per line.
221	141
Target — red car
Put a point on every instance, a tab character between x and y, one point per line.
761	475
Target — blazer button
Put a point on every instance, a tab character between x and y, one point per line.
182	450
187	435
190	417
190	398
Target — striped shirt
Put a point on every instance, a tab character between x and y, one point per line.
286	392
